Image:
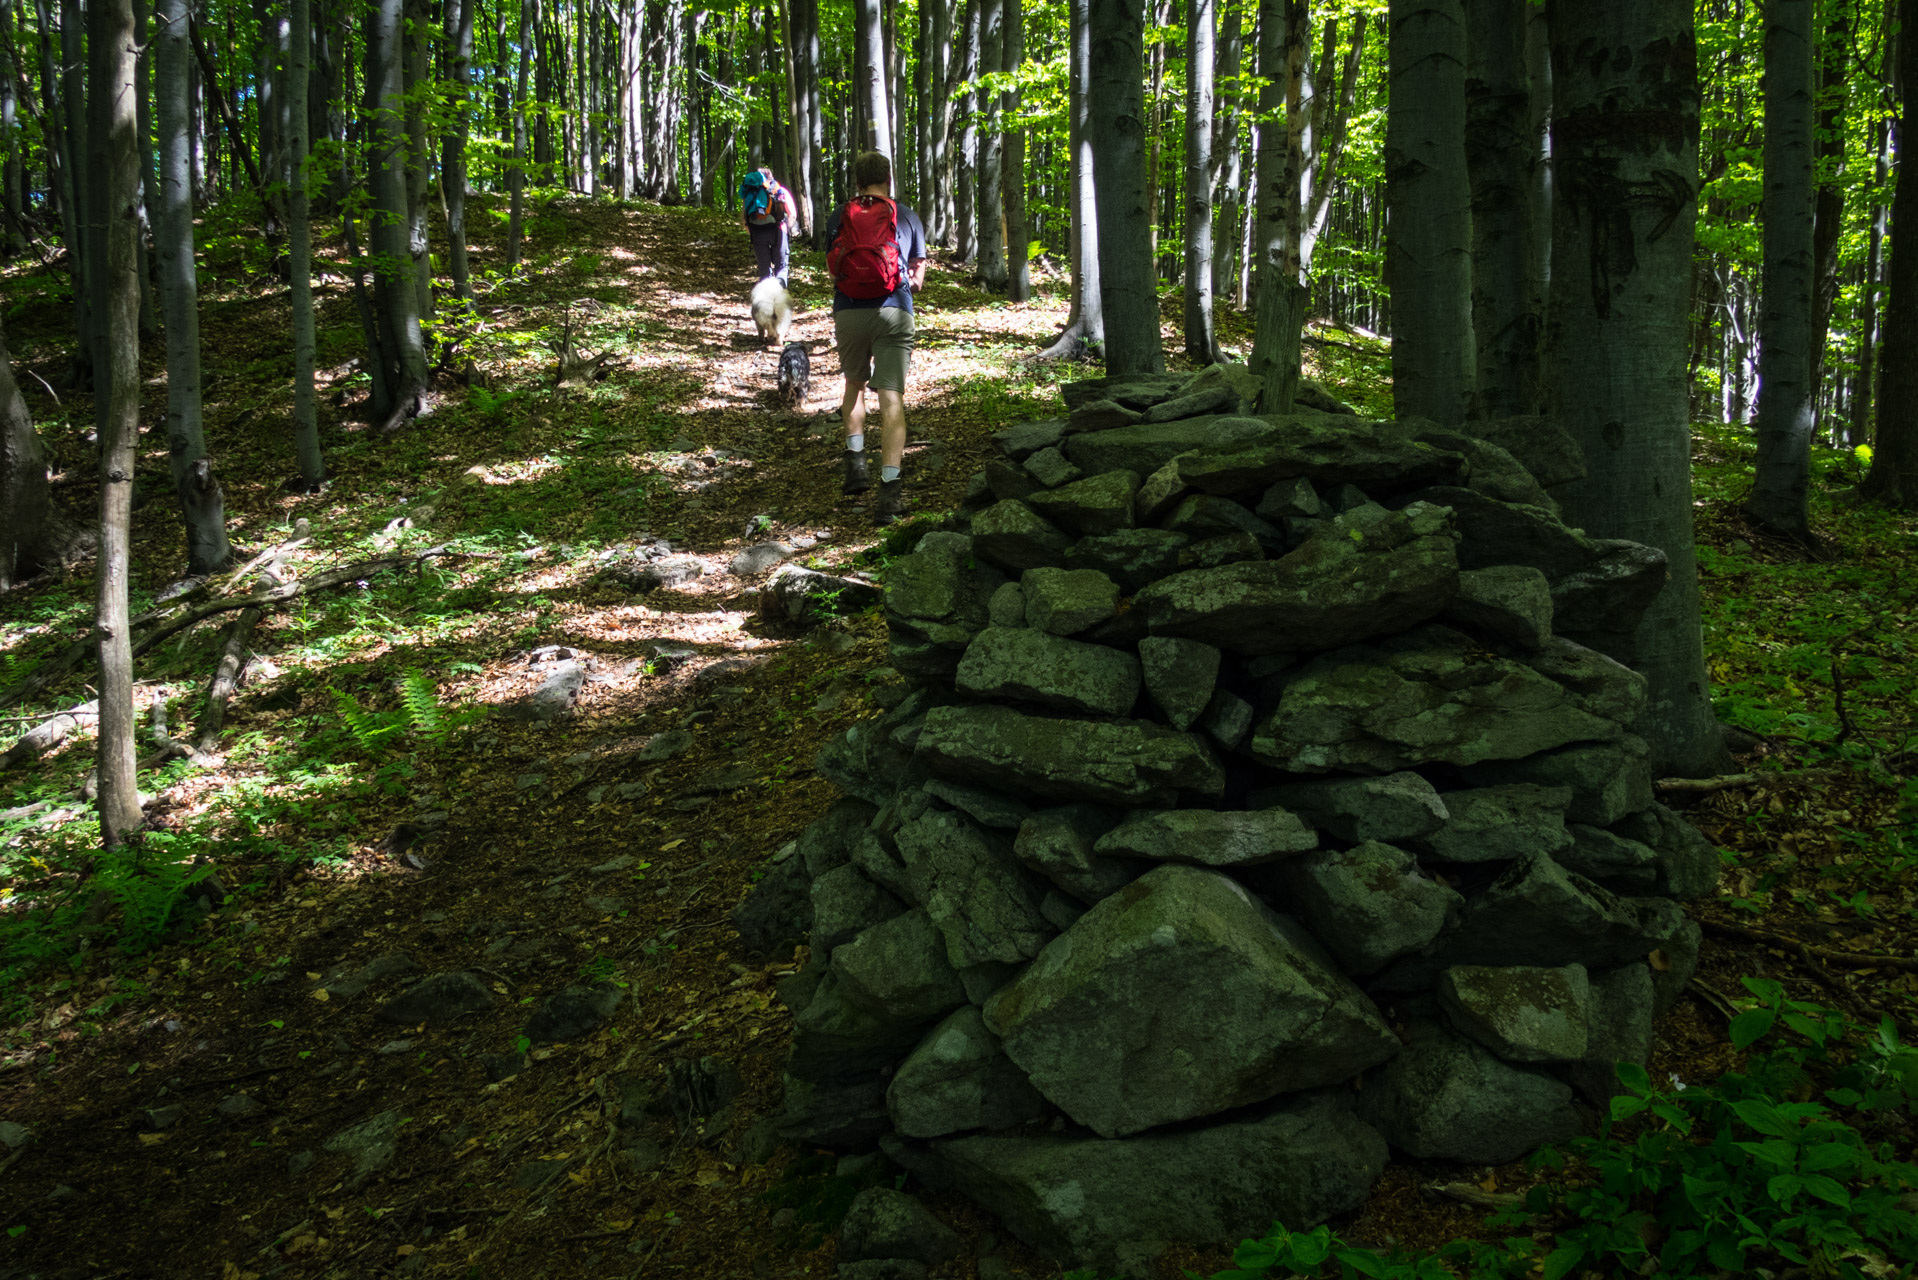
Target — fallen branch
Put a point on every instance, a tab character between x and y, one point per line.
271	553
226	678
1852	959
1729	781
1466	1193
50	733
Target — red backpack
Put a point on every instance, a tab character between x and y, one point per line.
864	259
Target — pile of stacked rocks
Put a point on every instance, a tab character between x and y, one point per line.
1258	798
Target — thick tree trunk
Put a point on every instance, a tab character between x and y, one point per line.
299	243
24	495
1201	17
453	154
965	176
1893	478
1226	149
395	287
1281	298
1013	183
1781	483
800	129
83	248
516	174
1871	323
419	153
112	51
1498	155
992	228
1116	108
1085	327
1625	169
808	42
1428	249
938	198
202	505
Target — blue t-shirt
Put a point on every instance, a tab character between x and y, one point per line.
911	239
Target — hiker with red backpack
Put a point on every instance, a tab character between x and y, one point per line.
876	252
771	216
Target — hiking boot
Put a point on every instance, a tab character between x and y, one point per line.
891	504
857	481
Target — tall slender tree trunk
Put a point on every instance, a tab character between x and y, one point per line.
1828	210
84	248
801	176
453	154
965	178
1506	320
516	175
419	154
808	43
13	201
25	496
1871	323
1225	148
1013	184
111	49
938	199
1085	327
1201	18
1281	297
1893	479
1428	249
992	238
1116	108
395	284
920	114
1781	484
1625	171
202	505
299	243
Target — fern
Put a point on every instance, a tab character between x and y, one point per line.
371	729
149	886
422	701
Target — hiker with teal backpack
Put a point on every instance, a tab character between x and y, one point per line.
771	217
876	252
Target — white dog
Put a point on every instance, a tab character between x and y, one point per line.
772	309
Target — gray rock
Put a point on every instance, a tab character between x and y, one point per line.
299	1162
1511	533
1541	446
865	761
1100	415
935	595
899	968
1621	865
973	888
1521	1013
874	855
1099	505
836	1038
1490	469
1506	601
553	698
1007	608
1369	905
1064	675
369	1145
1599	685
1159	493
1227	719
1378	457
828	841
573	1013
1332	591
1050	468
1246	386
667	572
1205	399
1130	557
1179	677
1067	601
1396	806
1428	696
1619	1029
1688	864
1501	824
440	998
1289	499
1125	762
236	1106
1134	390
1023	439
342	983
1675	959
1251	1004
958	1079
845	903
1608	780
1209	837
1446	1098
760	557
846	1114
986	977
1003	481
988	808
156	1118
797	596
1202	515
1115	1205
1058	844
1012	534
883	1223
663	746
1538	913
1061	910
1219	550
1314	396
1613	594
777	913
1144	448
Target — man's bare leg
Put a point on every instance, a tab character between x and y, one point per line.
892	428
853	409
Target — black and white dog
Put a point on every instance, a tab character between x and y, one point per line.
795	374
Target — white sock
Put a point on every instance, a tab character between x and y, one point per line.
888	474
856	442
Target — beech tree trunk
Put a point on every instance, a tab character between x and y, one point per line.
965	176
870	33
1201	16
299	244
1893	479
24	495
1625	172
1781	483
202	504
1828	210
992	237
1428	246
453	153
1115	95
1498	152
1281	297
389	233
1085	326
516	174
1013	185
1226	149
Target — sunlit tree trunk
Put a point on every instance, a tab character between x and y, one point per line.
965	175
1201	17
992	245
1828	211
1893	478
1116	109
395	283
1085	326
1013	185
453	155
1226	149
299	242
516	174
1280	296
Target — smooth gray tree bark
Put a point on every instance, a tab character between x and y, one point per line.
992	228
395	286
1781	483
453	178
1506	306
1279	295
202	504
1085	325
1226	150
1625	175
516	171
1201	20
25	498
965	160
1115	95
299	245
869	31
1013	184
1893	479
1428	244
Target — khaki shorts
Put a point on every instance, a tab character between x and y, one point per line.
875	345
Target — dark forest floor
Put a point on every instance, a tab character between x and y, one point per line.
611	846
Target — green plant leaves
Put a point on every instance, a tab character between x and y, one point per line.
1750	1025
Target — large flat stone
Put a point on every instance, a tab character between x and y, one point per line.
1522	1013
1179	676
1378	457
1608	780
1130	557
1146	447
959	1079
973	889
936	594
1209	837
1011	534
1065	675
1059	845
1541	446
1430	696
1115	1205
1334	590
899	967
1126	762
1501	824
1068	601
1177	997
1098	504
1446	1098
1397	806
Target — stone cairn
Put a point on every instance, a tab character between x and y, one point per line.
1258	797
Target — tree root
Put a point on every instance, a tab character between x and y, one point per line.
1807	950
